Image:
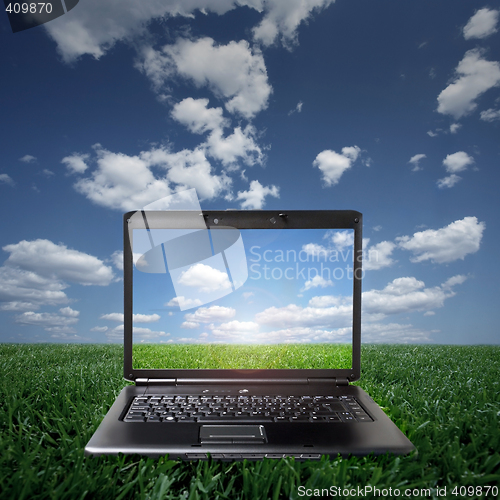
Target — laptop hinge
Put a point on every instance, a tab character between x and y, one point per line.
338	381
155	381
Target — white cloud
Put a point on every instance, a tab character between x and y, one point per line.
454	127
147	333
482	24
378	256
341	239
51	322
6	179
449	181
415	161
315	282
239	145
405	295
127	182
145	318
113	317
325	301
117	259
447	244
333	164
254	197
474	76
457	162
282	19
183	302
297	109
205	278
28	159
234	72
189	169
22	290
122	182
57	262
100	329
137	318
291	316
235	329
197	117
75	163
211	314
96	26
453	163
490	115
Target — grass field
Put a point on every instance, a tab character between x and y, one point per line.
241	356
446	399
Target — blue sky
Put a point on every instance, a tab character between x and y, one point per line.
389	108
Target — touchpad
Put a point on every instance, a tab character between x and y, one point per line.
233	434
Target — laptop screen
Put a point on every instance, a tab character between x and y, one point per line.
226	298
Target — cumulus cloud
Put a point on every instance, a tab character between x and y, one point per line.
6	179
282	19
75	163
57	262
333	164
457	162
378	256
210	314
128	183
415	161
405	295
297	109
183	302
235	329
198	117
255	196
22	290
51	322
337	316
474	76
234	72
28	159
490	115
448	181
453	163
205	278
98	26
482	24
447	244
317	281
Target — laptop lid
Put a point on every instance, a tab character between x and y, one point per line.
232	296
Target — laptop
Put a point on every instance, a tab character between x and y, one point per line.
242	337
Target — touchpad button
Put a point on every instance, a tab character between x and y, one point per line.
233	434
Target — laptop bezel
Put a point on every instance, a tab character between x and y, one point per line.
248	219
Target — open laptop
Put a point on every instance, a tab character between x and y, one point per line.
242	335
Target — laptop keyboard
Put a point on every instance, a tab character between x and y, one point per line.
245	409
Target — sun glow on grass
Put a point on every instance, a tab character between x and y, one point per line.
242	357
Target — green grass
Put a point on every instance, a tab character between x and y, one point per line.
242	356
446	399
